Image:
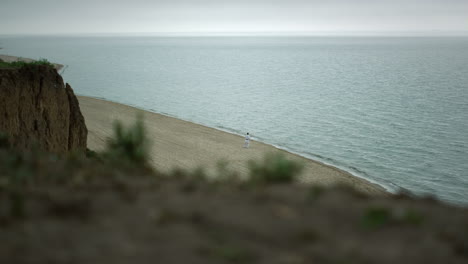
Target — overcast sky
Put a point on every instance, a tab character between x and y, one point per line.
234	16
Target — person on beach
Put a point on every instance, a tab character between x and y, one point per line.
247	141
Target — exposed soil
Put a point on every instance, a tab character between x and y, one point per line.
37	110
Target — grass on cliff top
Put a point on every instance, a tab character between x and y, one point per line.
20	64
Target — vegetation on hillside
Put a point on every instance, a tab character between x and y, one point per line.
274	168
111	207
19	64
129	144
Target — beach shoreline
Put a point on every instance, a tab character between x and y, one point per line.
175	147
183	144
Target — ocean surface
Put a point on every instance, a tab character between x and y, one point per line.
388	109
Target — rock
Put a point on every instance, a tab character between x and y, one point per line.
37	110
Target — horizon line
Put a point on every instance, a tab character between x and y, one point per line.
259	34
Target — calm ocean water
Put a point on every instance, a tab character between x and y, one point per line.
392	110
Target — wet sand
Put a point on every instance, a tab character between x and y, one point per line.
177	143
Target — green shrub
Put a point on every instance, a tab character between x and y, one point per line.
4	142
376	217
274	168
315	192
413	217
91	154
225	173
129	144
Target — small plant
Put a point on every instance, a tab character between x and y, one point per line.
315	192
413	217
91	154
225	174
376	217
16	183
275	168
167	216
229	253
307	236
4	142
17	204
129	143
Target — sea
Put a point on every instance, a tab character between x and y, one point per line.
393	110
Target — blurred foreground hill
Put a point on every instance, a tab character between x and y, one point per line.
112	207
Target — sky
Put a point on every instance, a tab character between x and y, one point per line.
199	17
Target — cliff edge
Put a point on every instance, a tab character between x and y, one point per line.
38	110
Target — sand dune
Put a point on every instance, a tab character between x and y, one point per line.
178	143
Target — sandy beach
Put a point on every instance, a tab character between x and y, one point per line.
177	143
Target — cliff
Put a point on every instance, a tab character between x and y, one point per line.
38	110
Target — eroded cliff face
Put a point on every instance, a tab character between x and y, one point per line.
38	110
